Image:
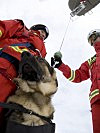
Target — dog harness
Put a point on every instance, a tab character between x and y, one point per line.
14	106
46	128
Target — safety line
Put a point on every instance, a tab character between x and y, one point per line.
66	30
65	33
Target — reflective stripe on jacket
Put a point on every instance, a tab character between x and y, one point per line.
94	93
88	69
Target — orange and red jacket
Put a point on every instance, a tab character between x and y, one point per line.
88	69
15	32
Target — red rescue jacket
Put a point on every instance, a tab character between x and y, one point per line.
15	32
88	69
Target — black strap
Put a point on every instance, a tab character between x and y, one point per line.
14	106
8	57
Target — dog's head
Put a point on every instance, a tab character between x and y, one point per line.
36	70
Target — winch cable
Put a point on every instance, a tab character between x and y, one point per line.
65	33
70	19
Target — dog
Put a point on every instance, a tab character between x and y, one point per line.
36	84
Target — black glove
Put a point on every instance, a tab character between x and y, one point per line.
56	62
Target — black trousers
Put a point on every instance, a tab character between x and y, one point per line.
13	127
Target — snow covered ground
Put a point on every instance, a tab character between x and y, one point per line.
72	107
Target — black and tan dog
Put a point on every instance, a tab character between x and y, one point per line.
36	83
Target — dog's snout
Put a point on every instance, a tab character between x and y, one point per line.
25	54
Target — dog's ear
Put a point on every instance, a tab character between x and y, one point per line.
52	71
42	60
55	77
50	68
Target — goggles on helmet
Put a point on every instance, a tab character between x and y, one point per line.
93	35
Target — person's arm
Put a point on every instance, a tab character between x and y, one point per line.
38	43
77	75
9	27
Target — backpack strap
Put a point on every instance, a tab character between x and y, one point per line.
12	59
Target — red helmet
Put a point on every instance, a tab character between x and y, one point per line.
40	27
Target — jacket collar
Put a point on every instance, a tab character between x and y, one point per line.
97	47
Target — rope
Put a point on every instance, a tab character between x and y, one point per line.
65	33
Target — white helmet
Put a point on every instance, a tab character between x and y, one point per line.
95	33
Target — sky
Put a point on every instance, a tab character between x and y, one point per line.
71	102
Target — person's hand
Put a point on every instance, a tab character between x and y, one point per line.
56	60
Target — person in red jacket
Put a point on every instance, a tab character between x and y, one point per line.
15	38
88	69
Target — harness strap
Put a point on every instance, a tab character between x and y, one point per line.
10	58
28	45
19	44
13	59
14	106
